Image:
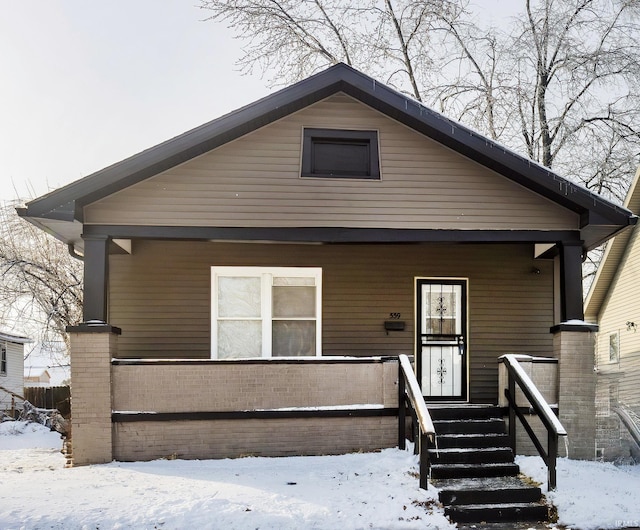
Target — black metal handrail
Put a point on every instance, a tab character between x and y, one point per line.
517	375
408	388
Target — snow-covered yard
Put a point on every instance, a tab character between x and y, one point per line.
375	490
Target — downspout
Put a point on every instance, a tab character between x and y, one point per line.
73	253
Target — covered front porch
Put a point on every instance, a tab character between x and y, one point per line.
160	296
150	347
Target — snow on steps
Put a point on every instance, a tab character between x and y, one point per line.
475	471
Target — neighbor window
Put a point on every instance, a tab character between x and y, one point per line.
3	359
265	312
614	347
335	153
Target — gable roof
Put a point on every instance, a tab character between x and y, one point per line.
61	212
613	257
17	339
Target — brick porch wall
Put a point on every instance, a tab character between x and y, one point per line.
248	386
102	387
577	390
257	437
91	353
545	377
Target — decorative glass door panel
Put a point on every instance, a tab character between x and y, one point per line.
441	345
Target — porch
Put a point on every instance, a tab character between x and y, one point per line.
143	409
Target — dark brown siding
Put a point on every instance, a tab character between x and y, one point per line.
160	297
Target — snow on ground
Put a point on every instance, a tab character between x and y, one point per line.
355	491
590	495
369	490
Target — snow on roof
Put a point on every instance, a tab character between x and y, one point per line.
18	339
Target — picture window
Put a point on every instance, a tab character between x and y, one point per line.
266	312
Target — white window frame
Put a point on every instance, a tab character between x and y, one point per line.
4	359
266	274
614	342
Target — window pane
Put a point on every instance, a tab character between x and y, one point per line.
441	309
238	297
239	338
294	338
614	346
293	280
294	302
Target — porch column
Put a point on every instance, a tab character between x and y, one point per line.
92	348
571	307
574	347
96	274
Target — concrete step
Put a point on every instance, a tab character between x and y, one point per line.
479	440
460	412
484	455
441	471
486	491
498	512
470	426
474	470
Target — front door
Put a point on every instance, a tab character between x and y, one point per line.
441	318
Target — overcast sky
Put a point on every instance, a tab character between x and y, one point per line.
86	83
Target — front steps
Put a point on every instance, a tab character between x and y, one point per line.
473	466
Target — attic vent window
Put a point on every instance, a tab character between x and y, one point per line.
334	153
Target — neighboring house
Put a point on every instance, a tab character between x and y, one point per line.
52	357
37	377
11	370
250	283
614	303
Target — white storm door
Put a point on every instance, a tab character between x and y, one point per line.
441	345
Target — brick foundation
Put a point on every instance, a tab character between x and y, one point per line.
237	438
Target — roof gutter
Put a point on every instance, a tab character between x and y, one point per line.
72	252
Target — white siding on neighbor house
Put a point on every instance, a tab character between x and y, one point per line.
255	181
621	314
13	380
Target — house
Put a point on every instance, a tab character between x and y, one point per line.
49	356
614	303
37	377
11	368
250	283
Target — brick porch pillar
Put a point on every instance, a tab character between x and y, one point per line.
574	346
93	345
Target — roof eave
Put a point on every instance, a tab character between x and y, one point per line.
66	204
614	254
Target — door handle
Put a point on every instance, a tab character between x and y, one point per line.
461	345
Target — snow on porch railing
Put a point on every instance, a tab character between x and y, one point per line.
517	375
408	387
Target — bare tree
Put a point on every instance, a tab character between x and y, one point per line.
578	65
292	39
558	83
41	287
